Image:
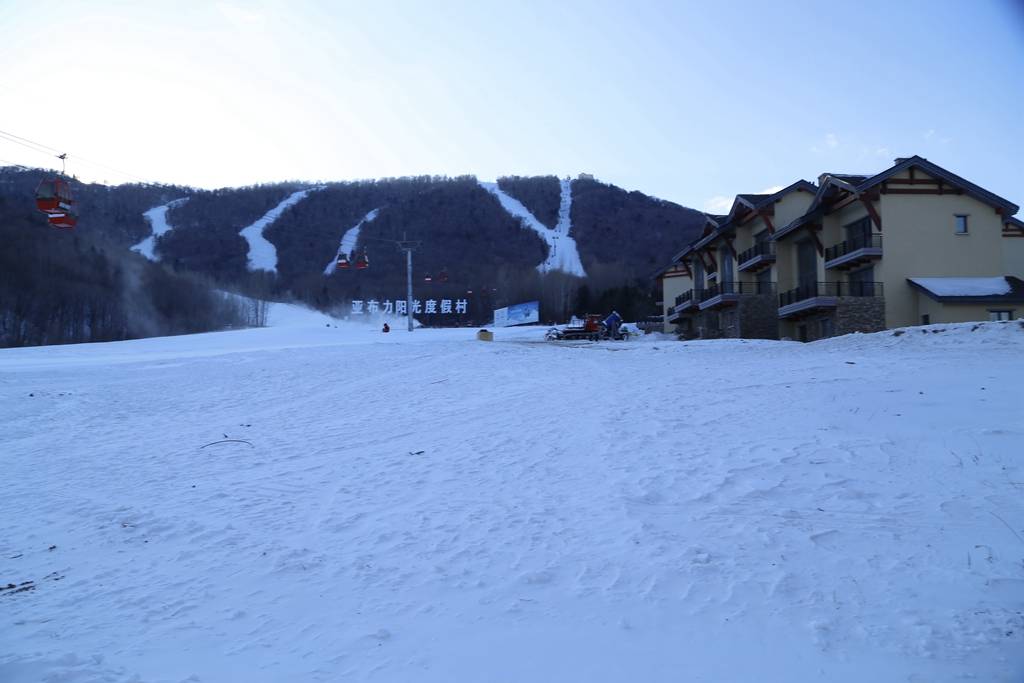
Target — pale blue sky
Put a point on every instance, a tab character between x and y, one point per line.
692	102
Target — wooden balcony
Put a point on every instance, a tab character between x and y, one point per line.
854	252
685	303
724	294
758	257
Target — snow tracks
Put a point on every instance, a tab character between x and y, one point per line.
157	218
562	252
262	254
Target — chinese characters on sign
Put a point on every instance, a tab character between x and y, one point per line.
398	307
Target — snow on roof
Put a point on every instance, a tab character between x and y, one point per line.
964	286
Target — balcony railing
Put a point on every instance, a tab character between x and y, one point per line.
736	288
854	250
762	253
684	302
829	289
728	293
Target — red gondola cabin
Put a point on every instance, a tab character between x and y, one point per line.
66	220
54	196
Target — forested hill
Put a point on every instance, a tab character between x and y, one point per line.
278	240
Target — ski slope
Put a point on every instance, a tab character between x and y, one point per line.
262	254
317	501
157	219
349	240
562	252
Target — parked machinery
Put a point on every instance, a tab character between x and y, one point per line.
591	327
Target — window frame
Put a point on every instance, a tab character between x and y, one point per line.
994	313
956	224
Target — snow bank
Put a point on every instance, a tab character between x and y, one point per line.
317	501
562	252
262	254
964	286
157	219
1007	333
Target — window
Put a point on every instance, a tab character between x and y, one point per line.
961	224
862	282
826	328
725	266
926	319
859	231
1000	315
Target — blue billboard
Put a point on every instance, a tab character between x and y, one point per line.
520	314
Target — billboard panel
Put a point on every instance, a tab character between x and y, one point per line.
520	314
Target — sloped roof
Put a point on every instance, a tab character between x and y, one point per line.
753	199
664	269
1001	289
759	201
856	184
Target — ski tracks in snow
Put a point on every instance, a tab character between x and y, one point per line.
349	240
262	253
157	218
563	254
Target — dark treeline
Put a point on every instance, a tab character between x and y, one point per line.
630	230
60	287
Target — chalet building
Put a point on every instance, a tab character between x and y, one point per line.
809	261
732	291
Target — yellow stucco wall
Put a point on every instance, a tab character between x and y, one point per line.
791	207
957	313
1013	256
671	287
920	241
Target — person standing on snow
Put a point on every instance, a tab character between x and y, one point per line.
387	328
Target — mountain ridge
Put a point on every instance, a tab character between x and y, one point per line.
491	257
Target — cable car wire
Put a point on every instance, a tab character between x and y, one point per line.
54	152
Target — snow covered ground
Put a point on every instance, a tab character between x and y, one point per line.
262	253
317	501
157	219
562	252
349	240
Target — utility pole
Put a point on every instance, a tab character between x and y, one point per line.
408	247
